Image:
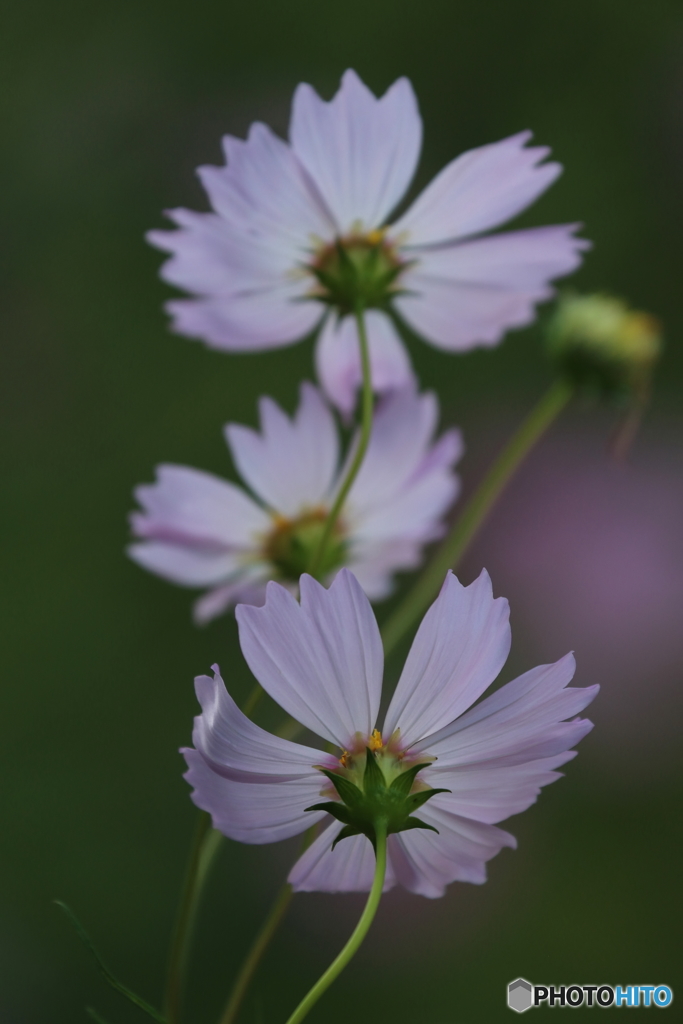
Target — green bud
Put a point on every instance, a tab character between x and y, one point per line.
358	270
293	542
379	790
604	347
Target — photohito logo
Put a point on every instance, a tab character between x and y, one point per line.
522	995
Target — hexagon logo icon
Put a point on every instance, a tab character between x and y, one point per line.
520	995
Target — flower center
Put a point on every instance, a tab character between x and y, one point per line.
359	269
373	785
292	543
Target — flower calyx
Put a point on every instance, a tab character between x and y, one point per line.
604	347
378	799
292	543
360	270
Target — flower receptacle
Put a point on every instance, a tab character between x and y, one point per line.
386	797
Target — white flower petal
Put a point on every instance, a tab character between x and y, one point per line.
247	322
239	749
460	647
522	721
403	484
320	660
338	363
360	151
291	464
479	190
183	564
373	564
491	794
252	813
265	193
350	867
425	863
472	293
219	600
189	506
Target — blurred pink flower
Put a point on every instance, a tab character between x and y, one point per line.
322	661
291	219
200	531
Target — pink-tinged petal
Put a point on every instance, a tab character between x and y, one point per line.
209	258
523	721
252	812
221	599
183	564
291	463
238	749
404	485
425	863
360	151
460	647
338	364
264	192
350	867
374	564
491	794
189	506
472	293
247	322
477	191
321	660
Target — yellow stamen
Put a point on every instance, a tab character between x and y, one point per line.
344	759
375	237
375	742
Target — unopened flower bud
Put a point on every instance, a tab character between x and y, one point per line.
604	347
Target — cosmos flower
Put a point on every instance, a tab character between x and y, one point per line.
300	234
453	770
200	531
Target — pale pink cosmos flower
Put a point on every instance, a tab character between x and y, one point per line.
197	530
322	661
292	218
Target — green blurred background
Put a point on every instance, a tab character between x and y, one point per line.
108	108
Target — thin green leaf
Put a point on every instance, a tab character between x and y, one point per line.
417	799
416	823
404	782
373	779
345	834
348	791
338	811
113	981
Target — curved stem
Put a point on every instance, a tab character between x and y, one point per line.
470	520
360	931
366	429
261	943
205	845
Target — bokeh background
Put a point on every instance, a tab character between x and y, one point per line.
107	110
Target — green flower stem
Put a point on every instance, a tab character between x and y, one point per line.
255	954
470	520
361	930
366	429
205	846
262	941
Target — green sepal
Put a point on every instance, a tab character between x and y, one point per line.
403	783
338	811
348	791
142	1004
416	823
416	800
373	779
346	833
